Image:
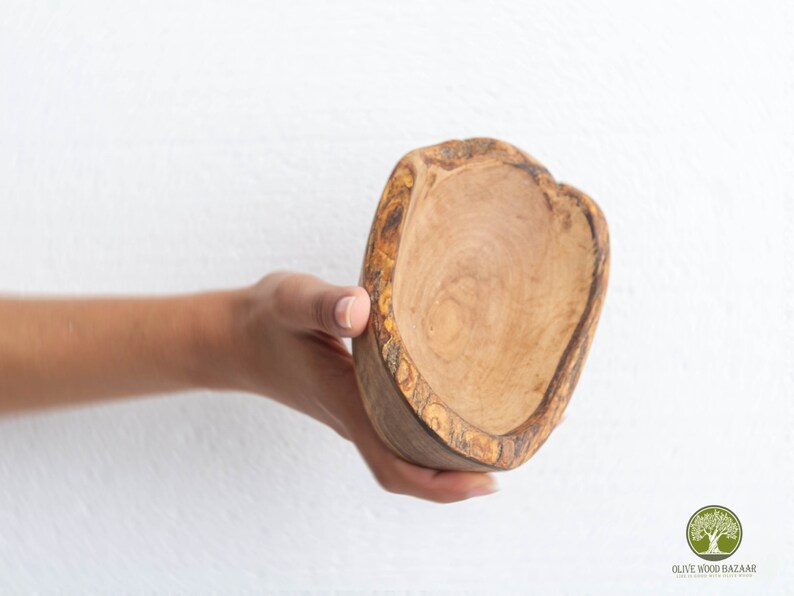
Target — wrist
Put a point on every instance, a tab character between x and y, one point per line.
215	339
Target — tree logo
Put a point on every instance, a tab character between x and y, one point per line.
714	533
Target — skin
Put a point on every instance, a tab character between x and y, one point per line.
279	338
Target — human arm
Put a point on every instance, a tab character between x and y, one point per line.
279	338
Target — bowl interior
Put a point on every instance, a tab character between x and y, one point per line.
491	280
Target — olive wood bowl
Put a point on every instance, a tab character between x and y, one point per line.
487	279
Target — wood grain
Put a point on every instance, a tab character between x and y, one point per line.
487	280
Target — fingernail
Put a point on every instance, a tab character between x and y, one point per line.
481	491
342	312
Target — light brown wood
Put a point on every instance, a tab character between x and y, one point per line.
487	279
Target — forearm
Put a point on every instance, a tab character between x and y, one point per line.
61	351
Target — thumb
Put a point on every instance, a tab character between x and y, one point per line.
307	302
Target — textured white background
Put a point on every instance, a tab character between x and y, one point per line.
157	147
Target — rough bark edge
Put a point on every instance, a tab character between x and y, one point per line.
404	409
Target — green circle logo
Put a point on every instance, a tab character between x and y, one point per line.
714	533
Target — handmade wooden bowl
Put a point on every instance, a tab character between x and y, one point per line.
487	279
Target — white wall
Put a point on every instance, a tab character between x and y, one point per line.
157	147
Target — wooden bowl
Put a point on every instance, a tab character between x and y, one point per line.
487	279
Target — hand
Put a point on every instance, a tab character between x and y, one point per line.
289	328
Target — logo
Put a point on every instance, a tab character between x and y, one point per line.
714	533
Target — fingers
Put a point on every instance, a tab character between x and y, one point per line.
439	486
307	302
396	475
